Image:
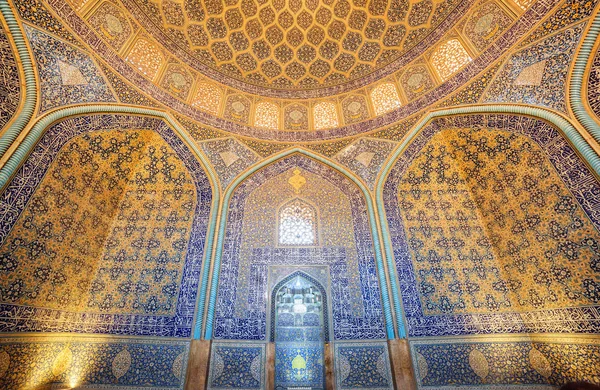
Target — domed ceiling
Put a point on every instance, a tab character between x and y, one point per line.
325	46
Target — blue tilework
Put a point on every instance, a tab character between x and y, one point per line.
459	362
557	50
49	52
236	366
362	366
13	200
93	362
252	326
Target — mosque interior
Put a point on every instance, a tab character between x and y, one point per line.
299	194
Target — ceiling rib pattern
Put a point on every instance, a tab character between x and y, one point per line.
297	48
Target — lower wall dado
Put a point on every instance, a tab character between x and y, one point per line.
32	362
357	365
536	362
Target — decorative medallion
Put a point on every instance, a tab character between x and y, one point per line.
4	363
62	362
177	367
422	366
540	363
121	363
479	363
297	181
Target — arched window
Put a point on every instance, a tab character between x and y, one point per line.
208	98
297	224
325	115
146	57
267	115
449	57
385	98
524	4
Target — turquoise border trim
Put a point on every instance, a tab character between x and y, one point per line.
576	85
389	323
38	129
26	113
575	138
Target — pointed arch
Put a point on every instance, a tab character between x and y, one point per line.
566	129
19	156
372	223
285	281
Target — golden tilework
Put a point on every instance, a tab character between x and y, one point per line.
385	98
325	115
146	57
449	57
290	44
492	228
106	230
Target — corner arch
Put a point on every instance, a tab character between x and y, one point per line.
562	124
19	156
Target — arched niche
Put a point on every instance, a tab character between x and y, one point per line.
250	250
516	183
299	328
147	160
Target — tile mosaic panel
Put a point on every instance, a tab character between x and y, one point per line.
67	75
537	74
36	13
120	292
485	24
112	24
124	203
506	284
362	366
10	93
229	157
356	304
365	157
511	363
87	362
593	85
237	366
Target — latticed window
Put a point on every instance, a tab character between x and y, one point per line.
297	224
325	115
524	4
449	58
146	57
385	98
267	115
208	98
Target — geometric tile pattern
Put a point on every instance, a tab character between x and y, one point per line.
9	80
450	363
559	255
92	362
229	158
519	82
355	301
67	76
365	157
295	45
97	236
593	86
141	269
362	366
237	366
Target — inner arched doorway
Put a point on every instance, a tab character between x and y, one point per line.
299	330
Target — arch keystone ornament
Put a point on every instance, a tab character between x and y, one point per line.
297	181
